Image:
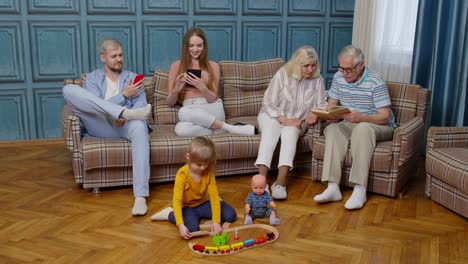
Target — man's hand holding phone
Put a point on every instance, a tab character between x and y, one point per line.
133	89
120	122
138	78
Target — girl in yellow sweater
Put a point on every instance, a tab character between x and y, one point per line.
195	192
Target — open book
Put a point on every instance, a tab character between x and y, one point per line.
332	113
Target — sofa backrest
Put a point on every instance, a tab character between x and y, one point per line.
243	85
163	113
241	89
408	101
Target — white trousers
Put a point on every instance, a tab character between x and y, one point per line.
271	131
98	115
197	116
362	137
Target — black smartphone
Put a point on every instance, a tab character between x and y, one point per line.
195	72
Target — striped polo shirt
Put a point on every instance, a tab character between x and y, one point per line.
365	96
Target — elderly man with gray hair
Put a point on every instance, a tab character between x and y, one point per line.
112	106
371	119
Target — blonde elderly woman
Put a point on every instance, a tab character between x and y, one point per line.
294	90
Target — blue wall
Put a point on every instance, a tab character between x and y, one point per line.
46	41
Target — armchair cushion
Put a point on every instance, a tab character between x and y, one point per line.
447	167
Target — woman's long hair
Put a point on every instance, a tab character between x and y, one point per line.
186	59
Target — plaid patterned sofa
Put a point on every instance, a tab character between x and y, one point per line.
447	167
394	161
108	162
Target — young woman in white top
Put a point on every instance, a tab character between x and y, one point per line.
202	112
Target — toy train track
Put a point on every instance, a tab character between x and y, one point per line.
270	236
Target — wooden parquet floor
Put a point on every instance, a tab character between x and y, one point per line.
47	218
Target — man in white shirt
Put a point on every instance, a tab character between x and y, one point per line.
112	106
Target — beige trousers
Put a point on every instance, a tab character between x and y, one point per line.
362	137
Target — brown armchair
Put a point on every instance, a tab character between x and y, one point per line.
394	161
447	167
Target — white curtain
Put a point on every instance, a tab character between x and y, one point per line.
384	30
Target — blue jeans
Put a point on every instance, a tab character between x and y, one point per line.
193	215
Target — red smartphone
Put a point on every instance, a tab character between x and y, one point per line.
138	78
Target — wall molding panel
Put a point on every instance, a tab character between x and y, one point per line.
14	117
261	40
165	7
9	7
111	6
53	6
340	34
162	44
306	7
262	7
222	38
343	8
56	50
49	105
215	7
46	41
11	56
299	34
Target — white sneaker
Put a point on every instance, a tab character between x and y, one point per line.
267	189
278	192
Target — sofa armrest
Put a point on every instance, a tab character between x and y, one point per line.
314	132
317	129
407	139
71	129
447	137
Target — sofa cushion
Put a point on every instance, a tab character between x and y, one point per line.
106	153
450	165
381	160
163	113
167	148
244	84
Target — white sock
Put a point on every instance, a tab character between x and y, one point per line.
139	207
358	198
239	129
247	220
331	194
162	215
274	221
142	113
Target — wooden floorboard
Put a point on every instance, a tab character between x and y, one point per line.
47	218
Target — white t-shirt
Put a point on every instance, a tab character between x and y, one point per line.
112	88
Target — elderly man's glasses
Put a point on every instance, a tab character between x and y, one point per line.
348	70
